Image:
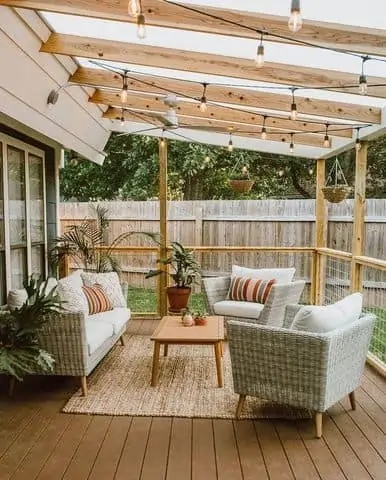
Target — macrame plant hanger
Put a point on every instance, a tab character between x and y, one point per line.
336	188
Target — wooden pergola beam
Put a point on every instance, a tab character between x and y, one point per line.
139	117
164	14
206	63
237	96
214	112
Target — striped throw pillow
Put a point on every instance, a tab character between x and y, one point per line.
97	299
250	289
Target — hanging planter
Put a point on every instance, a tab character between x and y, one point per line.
333	191
241	182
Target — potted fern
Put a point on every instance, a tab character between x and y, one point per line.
20	352
185	271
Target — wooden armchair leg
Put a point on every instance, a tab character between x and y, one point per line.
352	400
240	405
83	384
318	424
122	339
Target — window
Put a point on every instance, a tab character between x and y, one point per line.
22	211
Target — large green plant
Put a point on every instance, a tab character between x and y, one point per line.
185	268
86	243
20	352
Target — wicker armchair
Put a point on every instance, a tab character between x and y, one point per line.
308	370
271	313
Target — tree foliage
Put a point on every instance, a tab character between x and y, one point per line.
196	171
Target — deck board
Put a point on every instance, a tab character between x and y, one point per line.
37	442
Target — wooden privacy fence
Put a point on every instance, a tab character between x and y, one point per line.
281	223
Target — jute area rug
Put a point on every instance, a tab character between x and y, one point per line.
187	386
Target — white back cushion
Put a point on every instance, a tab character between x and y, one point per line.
281	275
16	298
322	319
110	284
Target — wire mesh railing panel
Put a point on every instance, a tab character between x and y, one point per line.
374	299
336	283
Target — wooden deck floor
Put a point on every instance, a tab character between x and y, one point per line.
39	442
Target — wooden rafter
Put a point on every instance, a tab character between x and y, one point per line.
313	140
238	96
214	113
207	63
163	14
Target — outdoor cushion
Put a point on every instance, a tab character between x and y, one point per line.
231	308
250	289
110	284
97	299
17	297
71	293
96	334
321	319
117	318
281	275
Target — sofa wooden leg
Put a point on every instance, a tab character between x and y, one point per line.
318	424
11	386
122	339
83	384
352	400
240	405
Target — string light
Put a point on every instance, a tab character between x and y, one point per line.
264	129
311	171
122	118
123	94
207	159
281	172
295	20
363	78
358	144
230	144
134	8
141	27
294	110
203	104
260	53
292	145
327	141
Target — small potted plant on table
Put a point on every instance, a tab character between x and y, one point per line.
185	271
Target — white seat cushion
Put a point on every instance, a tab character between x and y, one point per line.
117	317
232	308
322	319
281	275
97	333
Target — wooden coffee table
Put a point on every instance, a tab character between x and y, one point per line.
170	331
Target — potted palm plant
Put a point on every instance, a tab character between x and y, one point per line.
185	271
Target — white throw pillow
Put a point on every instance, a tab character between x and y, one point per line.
281	275
16	298
322	319
110	284
71	293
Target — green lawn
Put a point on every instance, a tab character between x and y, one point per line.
145	300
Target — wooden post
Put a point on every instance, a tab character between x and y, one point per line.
198	234
321	219
358	237
163	210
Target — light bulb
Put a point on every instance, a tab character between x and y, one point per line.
281	172
207	159
260	55
134	8
203	105
311	171
295	20
292	147
230	146
122	121
358	145
244	170
141	28
162	142
363	85
264	133
326	142
294	111
123	94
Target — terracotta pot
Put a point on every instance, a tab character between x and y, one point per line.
200	321
178	298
